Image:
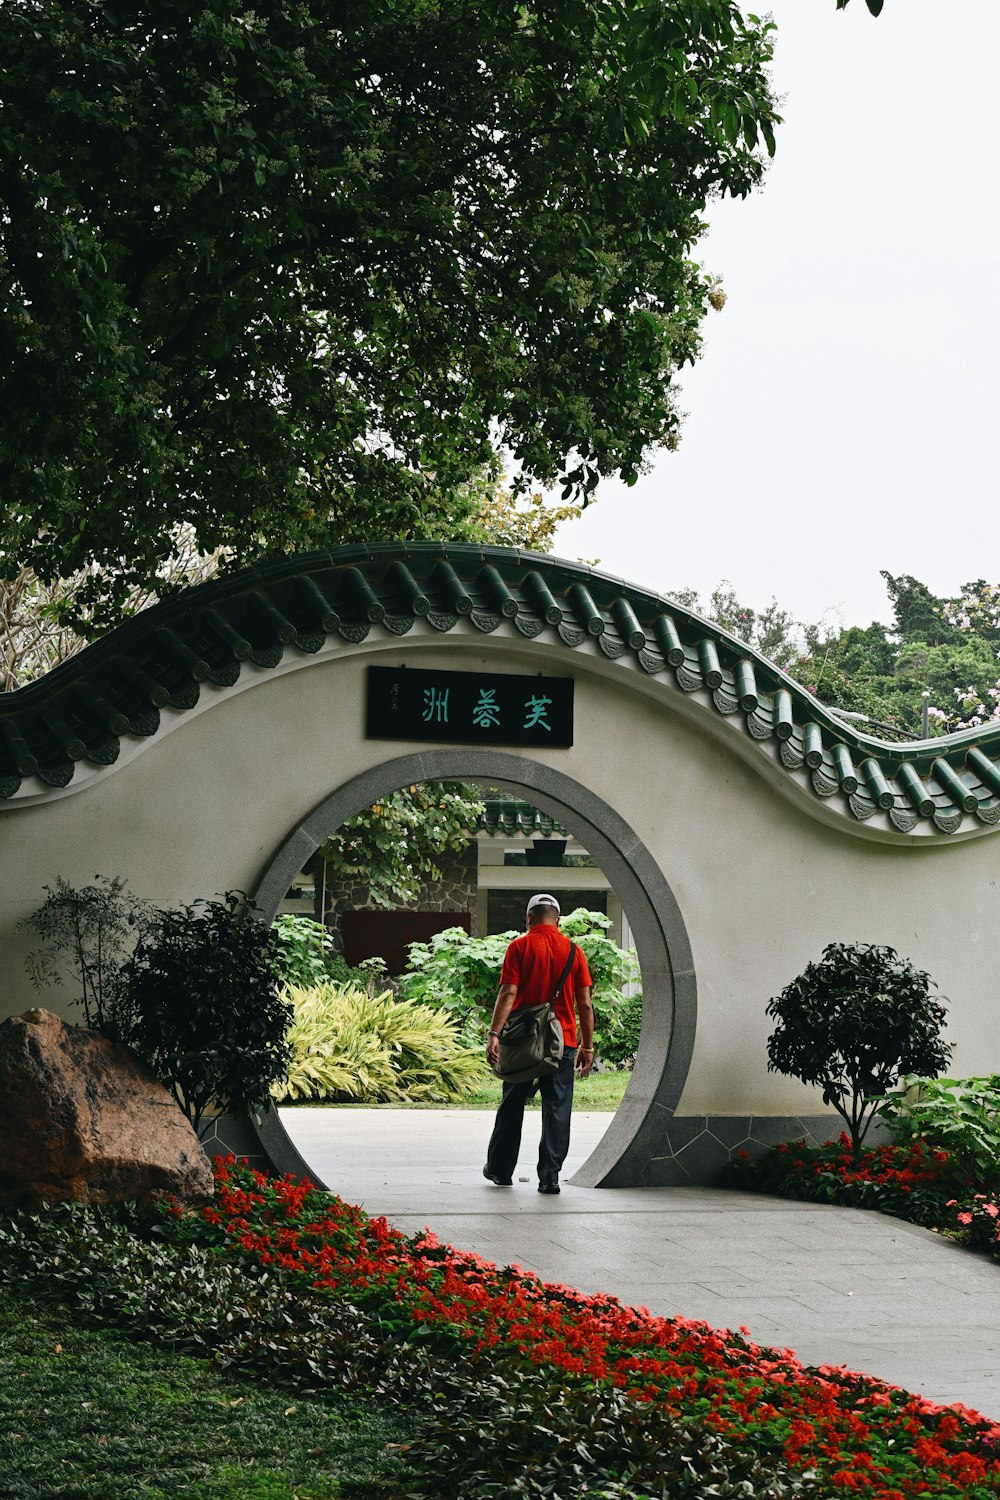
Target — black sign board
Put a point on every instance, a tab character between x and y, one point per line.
472	708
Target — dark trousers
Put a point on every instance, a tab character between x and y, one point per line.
557	1104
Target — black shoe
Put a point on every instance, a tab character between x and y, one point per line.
498	1181
548	1187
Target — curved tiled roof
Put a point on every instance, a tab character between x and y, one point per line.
503	815
201	638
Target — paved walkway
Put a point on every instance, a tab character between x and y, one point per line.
836	1285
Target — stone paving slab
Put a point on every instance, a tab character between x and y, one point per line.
838	1286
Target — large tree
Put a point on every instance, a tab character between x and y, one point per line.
288	273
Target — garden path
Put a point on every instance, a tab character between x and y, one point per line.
838	1286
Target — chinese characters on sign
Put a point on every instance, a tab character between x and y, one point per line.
472	708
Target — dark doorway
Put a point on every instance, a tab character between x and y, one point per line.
388	934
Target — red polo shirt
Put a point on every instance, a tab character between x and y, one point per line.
534	962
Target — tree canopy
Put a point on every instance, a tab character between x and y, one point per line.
287	275
948	647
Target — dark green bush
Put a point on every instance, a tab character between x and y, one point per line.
853	1024
208	1016
620	1040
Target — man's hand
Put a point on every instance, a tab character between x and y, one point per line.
585	1011
506	995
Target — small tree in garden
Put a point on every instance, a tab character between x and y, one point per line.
852	1024
87	933
208	1016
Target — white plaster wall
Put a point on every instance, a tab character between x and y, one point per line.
763	888
762	885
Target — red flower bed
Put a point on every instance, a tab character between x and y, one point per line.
859	1434
914	1182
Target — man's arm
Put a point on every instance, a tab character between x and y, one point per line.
585	1011
506	995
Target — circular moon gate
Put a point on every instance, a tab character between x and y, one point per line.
782	825
669	990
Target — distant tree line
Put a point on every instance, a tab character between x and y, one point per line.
948	647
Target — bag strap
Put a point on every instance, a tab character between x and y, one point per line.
566	970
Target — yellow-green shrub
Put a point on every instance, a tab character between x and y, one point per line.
350	1046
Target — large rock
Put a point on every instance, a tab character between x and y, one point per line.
83	1119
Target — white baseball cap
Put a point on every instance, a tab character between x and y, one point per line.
543	900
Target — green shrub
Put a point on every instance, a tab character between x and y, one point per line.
975	1221
461	974
853	1024
349	1045
370	974
306	955
303	949
957	1115
208	1017
611	967
620	1040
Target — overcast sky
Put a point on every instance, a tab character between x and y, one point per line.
843	417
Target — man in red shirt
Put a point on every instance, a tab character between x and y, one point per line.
531	969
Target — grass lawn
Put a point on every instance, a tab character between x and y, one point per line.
600	1092
86	1415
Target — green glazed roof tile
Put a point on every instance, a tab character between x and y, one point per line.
202	639
504	815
